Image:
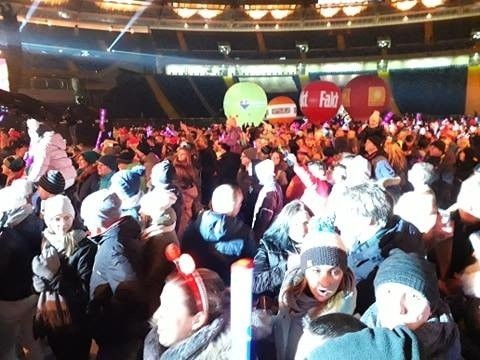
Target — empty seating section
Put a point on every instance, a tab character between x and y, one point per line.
181	94
213	89
165	39
133	98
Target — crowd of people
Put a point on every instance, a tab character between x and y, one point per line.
364	239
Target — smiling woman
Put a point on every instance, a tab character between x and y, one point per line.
321	283
184	327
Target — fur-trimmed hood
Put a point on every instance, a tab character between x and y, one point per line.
210	342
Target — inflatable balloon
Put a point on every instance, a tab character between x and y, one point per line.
246	102
319	101
281	110
365	94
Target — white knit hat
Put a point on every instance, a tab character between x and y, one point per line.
57	205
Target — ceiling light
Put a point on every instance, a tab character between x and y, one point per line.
432	3
257	14
352	10
280	14
404	5
329	11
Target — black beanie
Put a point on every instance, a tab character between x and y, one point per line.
410	270
109	161
52	182
14	163
323	255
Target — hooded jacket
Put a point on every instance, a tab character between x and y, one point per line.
365	258
117	305
216	240
439	336
49	152
212	341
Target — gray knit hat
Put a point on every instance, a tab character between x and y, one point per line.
101	208
410	270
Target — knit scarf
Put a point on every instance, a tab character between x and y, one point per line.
65	243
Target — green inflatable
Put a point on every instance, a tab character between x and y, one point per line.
246	102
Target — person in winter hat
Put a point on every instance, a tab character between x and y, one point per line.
318	282
270	198
106	167
407	294
118	305
13	168
50	184
65	266
161	178
158	218
126	184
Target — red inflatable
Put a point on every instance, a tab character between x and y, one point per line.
319	101
281	110
365	94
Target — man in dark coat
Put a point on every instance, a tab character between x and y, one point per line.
117	308
217	238
227	165
369	230
20	239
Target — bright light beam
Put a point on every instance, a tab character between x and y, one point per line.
130	23
29	14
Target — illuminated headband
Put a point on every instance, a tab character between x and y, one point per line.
186	268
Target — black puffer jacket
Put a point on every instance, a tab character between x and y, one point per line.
365	258
270	266
117	308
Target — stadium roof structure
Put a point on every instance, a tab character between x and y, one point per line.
255	29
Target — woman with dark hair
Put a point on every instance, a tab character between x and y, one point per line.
193	319
319	284
282	238
185	179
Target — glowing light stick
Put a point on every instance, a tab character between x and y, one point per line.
101	127
241	308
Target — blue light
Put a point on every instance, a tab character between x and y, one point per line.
29	14
127	27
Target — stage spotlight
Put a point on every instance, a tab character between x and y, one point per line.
384	42
302	47
224	48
